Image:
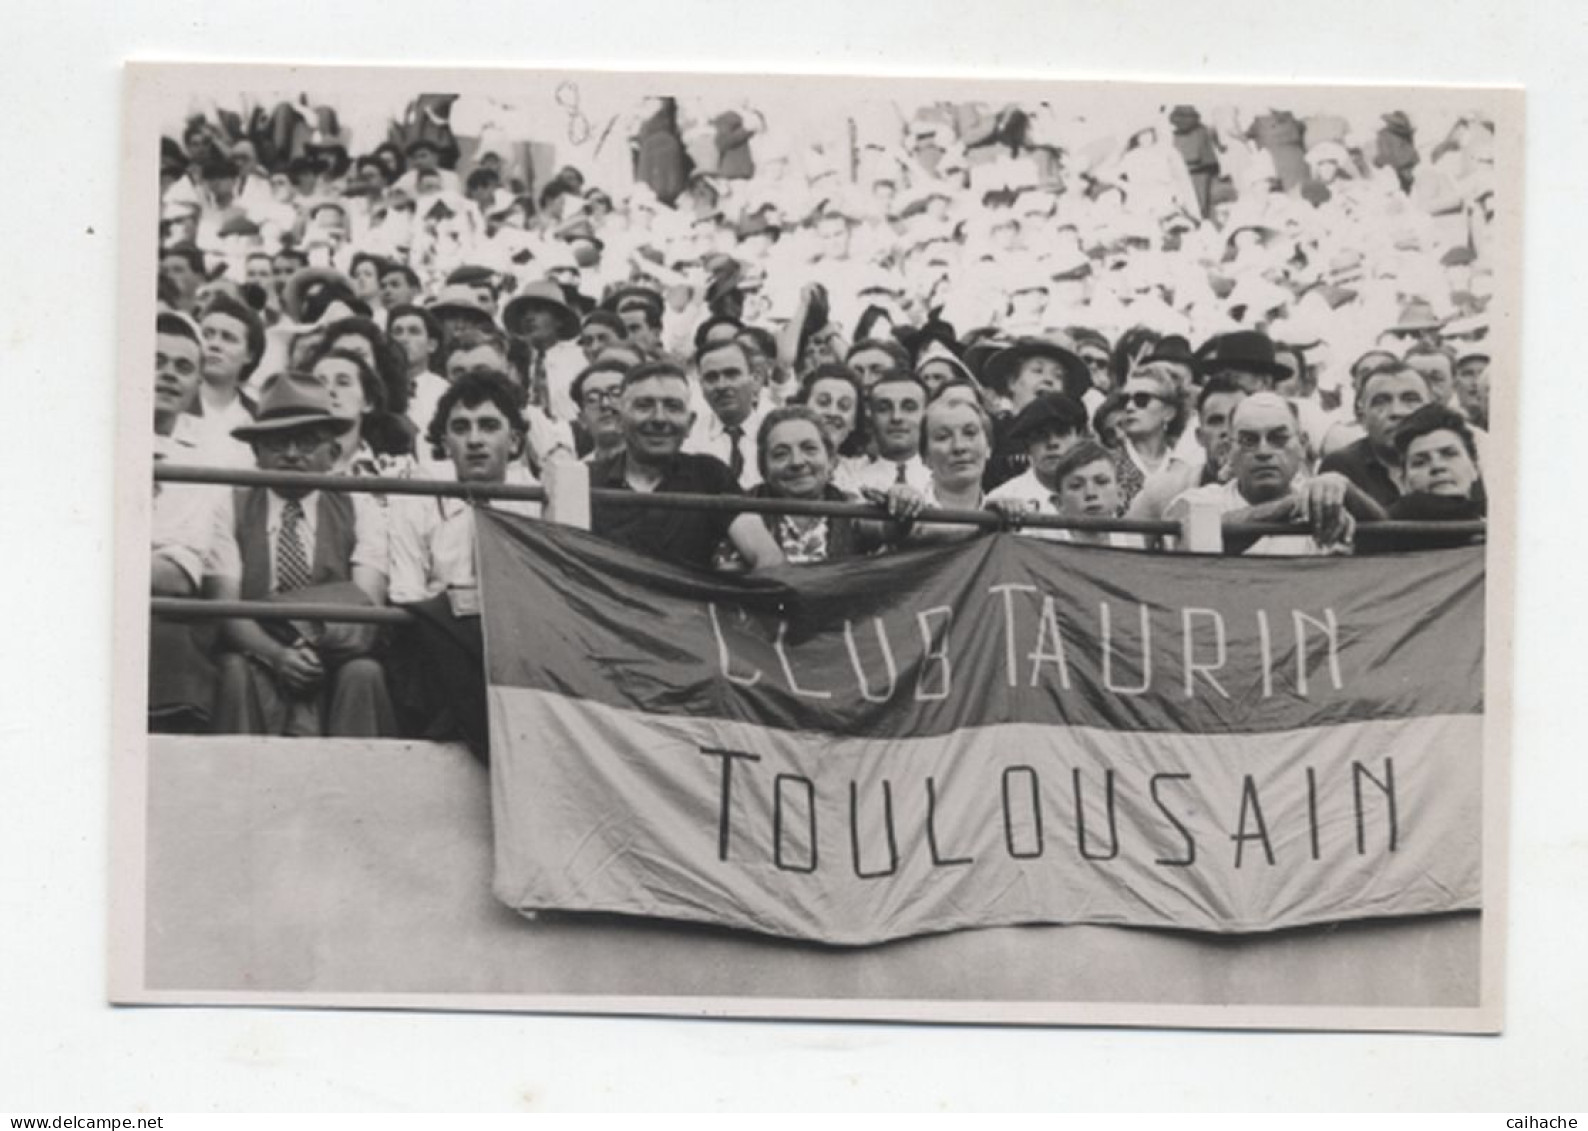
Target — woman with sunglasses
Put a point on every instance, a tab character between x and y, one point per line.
1152	420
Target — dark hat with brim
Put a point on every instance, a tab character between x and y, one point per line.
1003	366
290	401
1049	412
625	296
1177	351
310	285
1245	350
541	295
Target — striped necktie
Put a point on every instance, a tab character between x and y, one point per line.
292	562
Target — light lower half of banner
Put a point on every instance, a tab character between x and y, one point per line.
854	841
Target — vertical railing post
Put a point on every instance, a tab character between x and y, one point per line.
568	492
1202	527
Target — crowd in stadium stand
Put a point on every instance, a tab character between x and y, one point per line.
948	305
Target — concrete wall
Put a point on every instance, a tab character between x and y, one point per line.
364	867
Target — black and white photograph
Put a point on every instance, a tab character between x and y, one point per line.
893	548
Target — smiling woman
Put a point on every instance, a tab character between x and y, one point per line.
798	455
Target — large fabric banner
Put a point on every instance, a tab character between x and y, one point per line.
1000	732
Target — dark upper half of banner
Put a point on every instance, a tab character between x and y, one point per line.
998	629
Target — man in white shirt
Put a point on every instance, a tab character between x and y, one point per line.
731	388
475	350
896	406
479	426
440	663
1269	484
181	528
415	331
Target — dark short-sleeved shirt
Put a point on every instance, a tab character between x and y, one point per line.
1361	466
687	537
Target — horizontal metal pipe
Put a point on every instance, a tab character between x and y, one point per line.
609	496
194	608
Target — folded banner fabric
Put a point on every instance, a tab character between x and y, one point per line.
999	732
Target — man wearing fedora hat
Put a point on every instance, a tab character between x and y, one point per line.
292	543
1246	356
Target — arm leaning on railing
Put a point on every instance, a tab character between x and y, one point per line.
1203	530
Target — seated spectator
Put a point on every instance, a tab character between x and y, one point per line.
478	349
596	391
1472	387
1439	466
234	343
483	431
956	439
598	330
1268	483
1245	356
798	457
836	395
413	331
481	428
181	524
894	408
1088	488
732	392
358	395
1216	403
761	346
654	406
1150	424
1385	396
1106	419
297	676
1020	373
874	358
399	286
1049	427
940	369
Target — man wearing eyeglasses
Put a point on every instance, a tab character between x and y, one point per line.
596	392
1269	483
299	677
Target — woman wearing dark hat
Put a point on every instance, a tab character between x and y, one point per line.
1020	373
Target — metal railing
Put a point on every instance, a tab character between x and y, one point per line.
568	498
